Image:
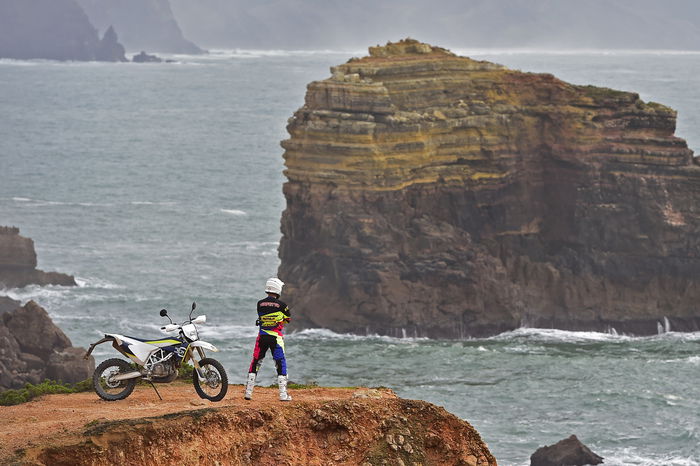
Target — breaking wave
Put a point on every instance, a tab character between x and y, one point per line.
235	212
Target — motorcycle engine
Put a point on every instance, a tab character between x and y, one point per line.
162	369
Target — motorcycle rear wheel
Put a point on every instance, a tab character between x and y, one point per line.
110	390
215	383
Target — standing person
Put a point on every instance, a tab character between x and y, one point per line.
273	314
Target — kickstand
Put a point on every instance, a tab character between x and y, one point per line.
154	388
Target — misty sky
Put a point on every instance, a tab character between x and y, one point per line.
341	24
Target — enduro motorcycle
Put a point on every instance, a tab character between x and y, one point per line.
159	361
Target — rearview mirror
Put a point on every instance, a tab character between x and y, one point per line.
194	305
163	312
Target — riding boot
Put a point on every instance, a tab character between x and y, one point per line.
249	386
282	382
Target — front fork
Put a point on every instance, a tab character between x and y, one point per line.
195	363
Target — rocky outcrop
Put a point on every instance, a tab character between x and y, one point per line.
143	57
18	263
109	48
142	24
354	431
567	452
53	30
434	195
33	349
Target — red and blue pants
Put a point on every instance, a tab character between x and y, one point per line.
275	343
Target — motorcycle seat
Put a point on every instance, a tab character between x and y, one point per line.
158	341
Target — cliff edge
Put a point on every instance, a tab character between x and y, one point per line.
435	195
320	427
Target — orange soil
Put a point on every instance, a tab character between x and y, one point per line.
60	418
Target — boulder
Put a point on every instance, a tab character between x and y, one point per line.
34	331
32	349
567	452
69	365
18	263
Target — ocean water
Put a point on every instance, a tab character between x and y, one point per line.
158	185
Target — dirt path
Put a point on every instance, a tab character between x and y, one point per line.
55	417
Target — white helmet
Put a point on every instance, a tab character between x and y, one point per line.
274	285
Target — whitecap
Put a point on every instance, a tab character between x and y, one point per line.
152	203
556	335
234	212
37	293
218	54
91	282
326	334
631	457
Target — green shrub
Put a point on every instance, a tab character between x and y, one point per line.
47	387
185	373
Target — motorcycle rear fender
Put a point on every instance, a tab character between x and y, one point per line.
205	345
117	341
108	337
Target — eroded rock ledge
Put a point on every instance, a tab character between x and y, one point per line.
345	428
434	195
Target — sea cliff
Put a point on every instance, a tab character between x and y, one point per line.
142	24
53	30
435	195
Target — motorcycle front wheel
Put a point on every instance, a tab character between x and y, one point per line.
106	387
215	383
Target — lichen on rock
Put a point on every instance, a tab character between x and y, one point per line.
430	194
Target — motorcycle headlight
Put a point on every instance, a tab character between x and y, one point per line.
190	331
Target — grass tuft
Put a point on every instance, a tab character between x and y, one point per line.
47	387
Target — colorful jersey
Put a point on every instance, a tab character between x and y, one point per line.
272	315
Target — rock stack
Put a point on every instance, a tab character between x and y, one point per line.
18	263
434	195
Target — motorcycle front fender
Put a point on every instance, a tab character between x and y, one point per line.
205	345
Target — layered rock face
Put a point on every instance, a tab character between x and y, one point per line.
54	30
434	195
18	263
33	349
348	432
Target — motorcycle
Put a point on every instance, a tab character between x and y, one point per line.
159	361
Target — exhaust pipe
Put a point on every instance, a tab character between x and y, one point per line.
126	375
